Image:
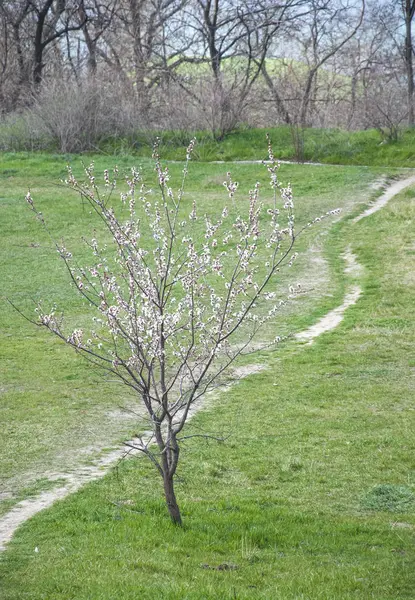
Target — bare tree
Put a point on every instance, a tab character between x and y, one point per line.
139	47
386	108
35	26
13	43
396	19
323	32
325	40
408	8
94	18
234	42
53	20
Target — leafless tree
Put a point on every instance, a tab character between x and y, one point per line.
212	64
320	35
32	27
139	48
95	17
234	41
397	18
408	9
52	20
14	49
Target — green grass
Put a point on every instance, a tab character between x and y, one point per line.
331	146
320	145
289	506
54	409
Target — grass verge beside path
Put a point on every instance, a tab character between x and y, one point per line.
331	146
312	496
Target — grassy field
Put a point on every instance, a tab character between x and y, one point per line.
312	495
320	145
333	146
55	411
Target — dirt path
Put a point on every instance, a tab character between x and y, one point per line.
392	191
335	316
73	481
289	162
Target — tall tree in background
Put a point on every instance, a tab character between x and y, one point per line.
52	20
328	27
408	7
197	64
235	40
95	18
34	26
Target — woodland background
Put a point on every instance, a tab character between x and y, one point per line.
75	72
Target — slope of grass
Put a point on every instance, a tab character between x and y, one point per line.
320	145
311	496
333	146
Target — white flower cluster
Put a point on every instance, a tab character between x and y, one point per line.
180	283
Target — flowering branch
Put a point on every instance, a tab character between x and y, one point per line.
181	296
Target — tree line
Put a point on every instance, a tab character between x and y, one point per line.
109	67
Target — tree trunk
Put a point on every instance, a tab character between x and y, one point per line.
305	101
39	45
169	459
352	100
38	55
409	61
285	115
171	501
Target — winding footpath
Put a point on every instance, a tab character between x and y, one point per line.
73	481
333	318
390	192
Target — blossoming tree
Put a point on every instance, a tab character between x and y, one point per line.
181	296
